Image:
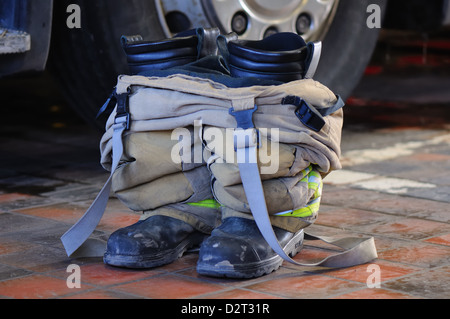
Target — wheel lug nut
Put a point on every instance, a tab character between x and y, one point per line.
239	22
270	31
303	23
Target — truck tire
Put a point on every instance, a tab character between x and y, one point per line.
348	46
87	61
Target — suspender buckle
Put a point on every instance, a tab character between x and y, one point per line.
123	113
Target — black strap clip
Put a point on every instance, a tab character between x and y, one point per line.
307	114
122	110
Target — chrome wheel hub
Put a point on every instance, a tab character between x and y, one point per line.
251	19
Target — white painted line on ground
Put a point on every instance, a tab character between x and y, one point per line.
365	156
392	185
344	176
374	182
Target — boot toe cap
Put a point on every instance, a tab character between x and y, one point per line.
222	250
128	243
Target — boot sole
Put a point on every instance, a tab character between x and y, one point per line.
252	270
155	260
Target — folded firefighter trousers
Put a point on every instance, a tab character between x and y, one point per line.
163	174
179	154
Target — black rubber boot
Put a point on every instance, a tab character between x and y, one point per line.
185	47
153	242
283	57
236	249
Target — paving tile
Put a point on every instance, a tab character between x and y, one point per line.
384	243
48	236
350	217
441	240
100	294
375	293
426	158
73	192
169	287
66	212
407	206
39	259
361	273
431	167
35	287
115	216
439	193
305	286
388	149
407	228
347	197
393	168
8	272
11	197
427	175
13	223
420	188
30	201
99	274
10	245
240	294
418	254
430	283
436	176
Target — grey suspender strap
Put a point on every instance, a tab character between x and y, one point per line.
76	240
312	62
357	250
